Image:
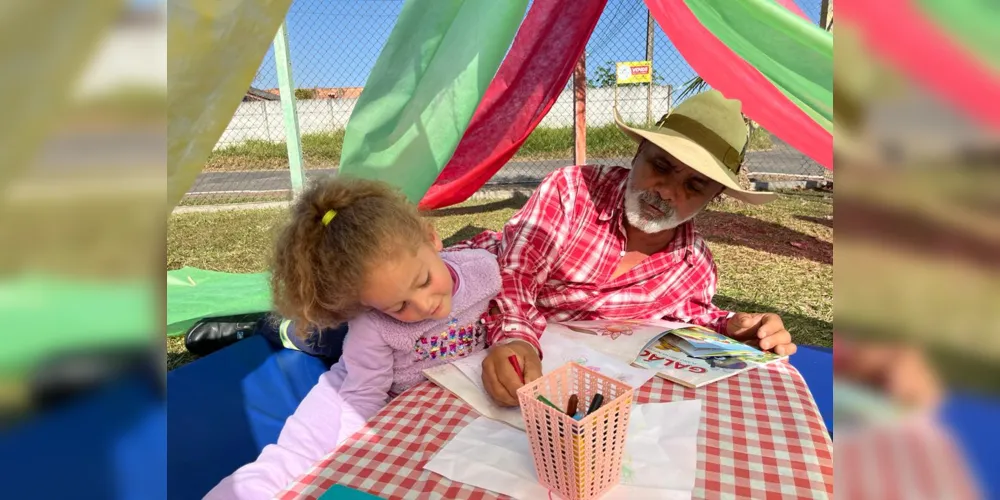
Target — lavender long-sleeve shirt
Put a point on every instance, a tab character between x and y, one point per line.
382	357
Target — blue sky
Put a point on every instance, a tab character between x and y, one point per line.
334	43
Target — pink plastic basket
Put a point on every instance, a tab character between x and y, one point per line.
577	459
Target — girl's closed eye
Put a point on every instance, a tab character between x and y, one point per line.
400	309
427	282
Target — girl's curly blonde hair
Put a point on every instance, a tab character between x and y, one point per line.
318	270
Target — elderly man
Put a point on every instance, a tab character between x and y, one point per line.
596	243
616	243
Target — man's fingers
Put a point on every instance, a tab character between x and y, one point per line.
786	349
742	324
770	340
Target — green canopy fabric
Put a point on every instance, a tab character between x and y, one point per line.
193	294
425	87
48	315
795	55
973	24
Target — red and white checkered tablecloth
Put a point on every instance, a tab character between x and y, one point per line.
903	460
761	436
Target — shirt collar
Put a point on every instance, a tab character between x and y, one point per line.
614	211
455	280
615	207
683	241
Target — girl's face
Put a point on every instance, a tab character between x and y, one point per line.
411	287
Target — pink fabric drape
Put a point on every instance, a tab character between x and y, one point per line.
728	73
898	31
530	79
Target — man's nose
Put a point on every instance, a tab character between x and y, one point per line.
665	190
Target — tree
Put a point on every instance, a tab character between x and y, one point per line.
693	86
604	77
305	94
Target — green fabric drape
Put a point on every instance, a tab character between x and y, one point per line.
973	24
425	87
193	294
794	54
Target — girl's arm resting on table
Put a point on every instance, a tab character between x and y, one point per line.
368	360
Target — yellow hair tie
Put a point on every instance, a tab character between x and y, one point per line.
328	216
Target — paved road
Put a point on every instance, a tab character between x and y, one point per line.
780	159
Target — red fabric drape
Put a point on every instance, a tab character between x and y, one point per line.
728	73
530	79
901	33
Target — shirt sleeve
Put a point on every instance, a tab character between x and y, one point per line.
531	242
487	240
368	360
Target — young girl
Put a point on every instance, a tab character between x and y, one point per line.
357	251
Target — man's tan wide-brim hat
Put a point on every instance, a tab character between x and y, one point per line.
707	133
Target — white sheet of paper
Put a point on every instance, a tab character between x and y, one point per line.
464	377
559	351
661	456
622	340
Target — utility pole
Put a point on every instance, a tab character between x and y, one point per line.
649	57
825	14
580	111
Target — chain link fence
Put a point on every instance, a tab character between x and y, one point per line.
334	45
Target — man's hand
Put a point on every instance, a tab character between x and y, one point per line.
766	328
499	377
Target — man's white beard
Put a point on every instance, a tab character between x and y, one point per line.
634	201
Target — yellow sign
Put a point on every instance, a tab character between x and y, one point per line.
634	72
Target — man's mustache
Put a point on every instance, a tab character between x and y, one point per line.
655	200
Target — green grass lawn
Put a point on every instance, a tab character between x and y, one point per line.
323	150
777	257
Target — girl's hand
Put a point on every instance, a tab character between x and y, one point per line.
499	377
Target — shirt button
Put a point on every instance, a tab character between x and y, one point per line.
622	254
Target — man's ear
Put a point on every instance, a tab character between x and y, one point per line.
638	150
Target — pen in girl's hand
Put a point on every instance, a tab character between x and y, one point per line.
517	366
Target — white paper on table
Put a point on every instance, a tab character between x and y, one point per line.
558	351
470	389
622	340
661	456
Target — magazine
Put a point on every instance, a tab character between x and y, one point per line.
694	356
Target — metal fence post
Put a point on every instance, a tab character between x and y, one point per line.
649	57
580	111
286	90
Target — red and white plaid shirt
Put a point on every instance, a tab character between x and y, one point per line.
558	253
